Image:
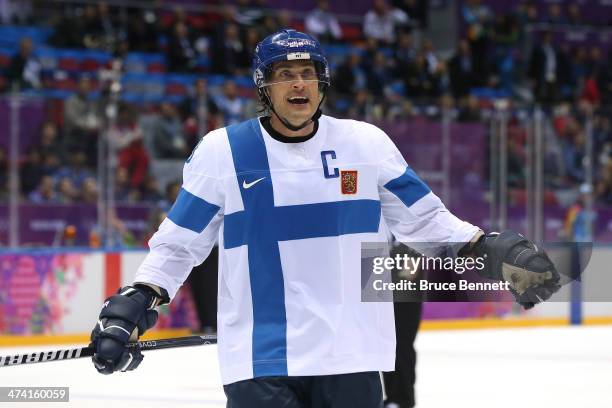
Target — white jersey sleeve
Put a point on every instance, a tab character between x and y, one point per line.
411	210
188	233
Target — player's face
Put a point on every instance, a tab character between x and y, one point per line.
294	90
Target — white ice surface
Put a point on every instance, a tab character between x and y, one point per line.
535	367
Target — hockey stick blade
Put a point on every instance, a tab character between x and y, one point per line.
88	351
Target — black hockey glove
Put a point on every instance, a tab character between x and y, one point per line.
511	257
124	317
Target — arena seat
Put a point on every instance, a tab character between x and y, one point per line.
70	60
94	60
149	87
216	80
145	62
180	84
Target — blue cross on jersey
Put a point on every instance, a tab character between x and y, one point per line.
262	225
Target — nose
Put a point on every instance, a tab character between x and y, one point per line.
299	82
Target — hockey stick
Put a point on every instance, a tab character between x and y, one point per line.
88	351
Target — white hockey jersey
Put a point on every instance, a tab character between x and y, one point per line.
290	219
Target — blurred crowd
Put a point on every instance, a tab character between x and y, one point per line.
388	69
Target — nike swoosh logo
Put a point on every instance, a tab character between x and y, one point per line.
246	185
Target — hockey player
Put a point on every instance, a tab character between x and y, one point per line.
291	196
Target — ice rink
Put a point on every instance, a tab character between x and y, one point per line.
532	367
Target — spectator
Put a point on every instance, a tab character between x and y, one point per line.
168	139
403	53
24	70
31	170
178	16
181	53
555	15
399	108
45	192
418	82
378	75
110	33
143	28
91	28
460	70
578	70
231	106
172	191
124	193
574	15
228	51
76	169
579	219
350	76
66	191
380	22
81	121
150	190
89	191
322	24
228	17
573	153
251	39
441	80
361	106
201	107
117	235
547	69
596	62
127	144
469	110
51	163
478	17
49	144
430	55
590	90
369	50
97	28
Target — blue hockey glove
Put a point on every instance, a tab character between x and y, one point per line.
124	317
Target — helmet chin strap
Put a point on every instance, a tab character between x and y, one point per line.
294	128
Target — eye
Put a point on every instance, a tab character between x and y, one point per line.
285	74
309	74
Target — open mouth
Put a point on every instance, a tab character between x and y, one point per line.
298	100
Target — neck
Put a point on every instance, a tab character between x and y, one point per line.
280	127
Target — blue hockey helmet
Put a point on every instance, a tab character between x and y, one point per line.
288	45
